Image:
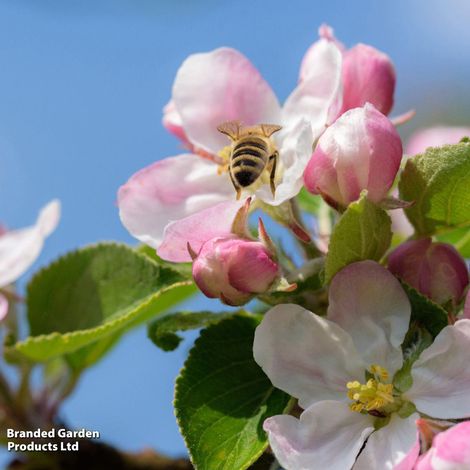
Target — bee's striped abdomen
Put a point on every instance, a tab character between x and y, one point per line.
248	160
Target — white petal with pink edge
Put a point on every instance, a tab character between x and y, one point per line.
217	86
3	307
196	229
441	376
326	432
317	98
169	190
369	303
20	248
305	355
294	154
391	447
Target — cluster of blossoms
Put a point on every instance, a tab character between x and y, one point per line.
20	248
361	393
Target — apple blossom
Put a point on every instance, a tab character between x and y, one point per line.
450	450
361	150
162	204
342	371
435	137
20	248
435	269
368	75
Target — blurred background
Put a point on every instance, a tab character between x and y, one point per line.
82	85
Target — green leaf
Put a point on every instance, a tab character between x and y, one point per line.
460	238
426	312
363	232
222	398
91	296
309	202
162	331
185	269
438	181
416	341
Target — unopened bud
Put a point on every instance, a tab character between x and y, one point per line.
435	269
361	150
234	269
368	77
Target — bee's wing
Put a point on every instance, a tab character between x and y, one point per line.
270	129
230	129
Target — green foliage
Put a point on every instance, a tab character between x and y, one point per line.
309	202
162	331
460	238
416	341
363	232
438	181
222	398
426	312
80	305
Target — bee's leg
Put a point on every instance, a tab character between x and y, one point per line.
222	168
273	160
235	185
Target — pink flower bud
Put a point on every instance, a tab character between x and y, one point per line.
234	269
450	449
368	76
361	150
435	269
435	137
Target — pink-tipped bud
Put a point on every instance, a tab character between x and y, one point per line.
368	77
450	449
435	269
361	150
234	269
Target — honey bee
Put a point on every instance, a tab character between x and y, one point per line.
252	153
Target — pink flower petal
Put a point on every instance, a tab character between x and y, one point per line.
395	446
196	229
218	86
317	98
305	355
369	303
168	190
310	59
20	248
452	447
435	137
173	123
294	155
327	435
368	77
3	307
441	376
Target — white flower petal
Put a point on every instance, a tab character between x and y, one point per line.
294	153
391	446
317	98
305	355
3	306
169	190
20	248
327	435
369	303
221	85
441	376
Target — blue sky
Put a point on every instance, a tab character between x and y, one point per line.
82	84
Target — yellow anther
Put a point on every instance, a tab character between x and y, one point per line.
374	394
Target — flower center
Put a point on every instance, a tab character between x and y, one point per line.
374	396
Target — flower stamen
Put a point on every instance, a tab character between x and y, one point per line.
374	395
